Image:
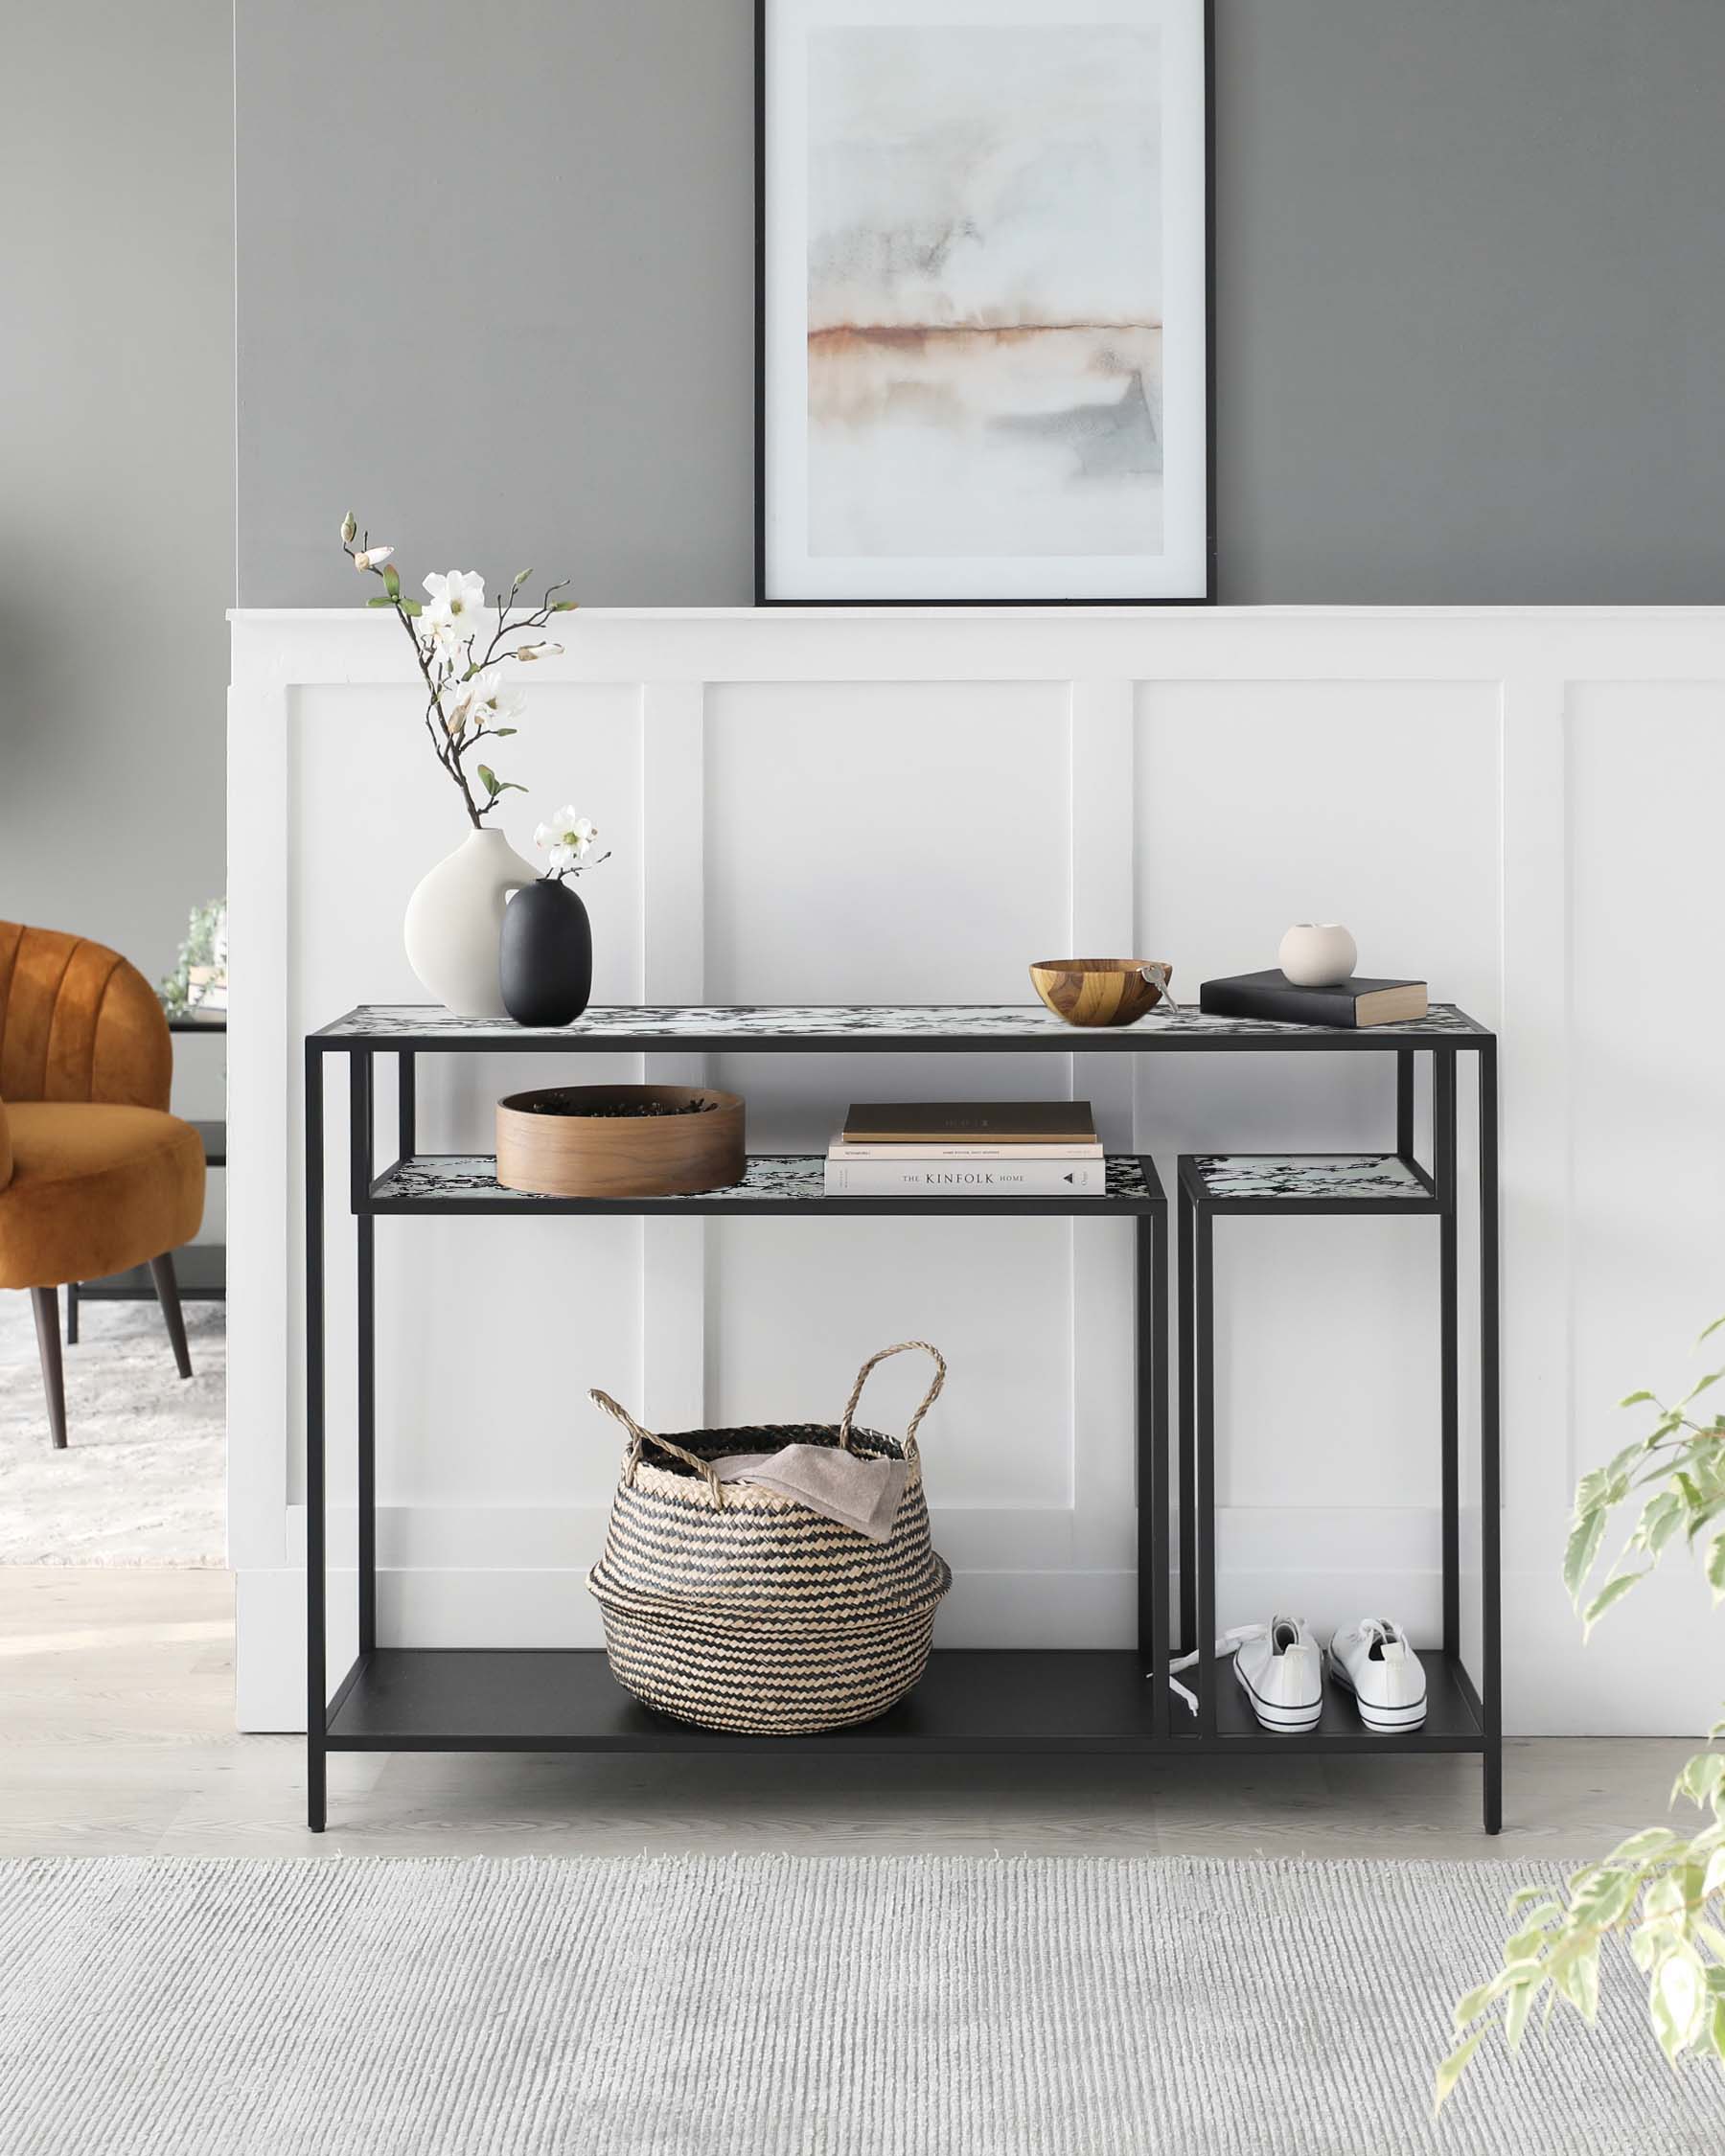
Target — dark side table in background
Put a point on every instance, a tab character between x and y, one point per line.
199	1267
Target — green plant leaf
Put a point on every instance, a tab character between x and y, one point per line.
1708	1331
1474	2003
1515	2013
1700	1386
1578	1977
566	605
1630	1453
1612	1592
1677	2001
1652	1845
503	733
1450	2071
1715	1565
488	778
1583	1549
1661	1518
1525	1946
1701	1778
392	584
383	599
1608	1901
1634	1399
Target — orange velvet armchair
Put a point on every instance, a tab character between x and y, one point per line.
95	1175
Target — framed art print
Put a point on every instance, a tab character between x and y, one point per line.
983	347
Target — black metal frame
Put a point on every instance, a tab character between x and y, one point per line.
1008	1701
1209	596
1462	1715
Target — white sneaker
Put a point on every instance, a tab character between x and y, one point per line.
1279	1669
1373	1661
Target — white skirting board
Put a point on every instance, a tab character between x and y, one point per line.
835	805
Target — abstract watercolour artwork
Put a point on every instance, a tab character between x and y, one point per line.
984	334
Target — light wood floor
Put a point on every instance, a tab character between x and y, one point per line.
116	1737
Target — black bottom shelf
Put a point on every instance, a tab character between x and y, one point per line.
421	1698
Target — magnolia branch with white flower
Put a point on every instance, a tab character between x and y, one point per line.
466	700
566	840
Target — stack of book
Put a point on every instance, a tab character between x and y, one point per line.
967	1149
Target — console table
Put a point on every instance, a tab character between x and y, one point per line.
408	1699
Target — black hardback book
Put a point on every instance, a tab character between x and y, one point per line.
974	1122
1271	994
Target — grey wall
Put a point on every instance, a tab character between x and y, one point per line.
497	291
116	467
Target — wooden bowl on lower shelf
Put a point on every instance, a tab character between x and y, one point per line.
1098	991
600	1141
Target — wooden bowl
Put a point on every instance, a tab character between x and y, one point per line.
1098	991
553	1143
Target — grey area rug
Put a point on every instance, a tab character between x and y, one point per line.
765	2005
140	1481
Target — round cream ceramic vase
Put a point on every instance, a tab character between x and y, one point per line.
1318	955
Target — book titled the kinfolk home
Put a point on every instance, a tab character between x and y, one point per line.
1028	1177
1356	1002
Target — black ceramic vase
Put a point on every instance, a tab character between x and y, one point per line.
545	957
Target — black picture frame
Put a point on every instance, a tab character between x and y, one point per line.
1208	597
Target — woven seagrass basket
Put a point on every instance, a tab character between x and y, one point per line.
736	1608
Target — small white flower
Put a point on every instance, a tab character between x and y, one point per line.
490	703
373	558
565	840
457	602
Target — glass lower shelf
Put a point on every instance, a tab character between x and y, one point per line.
777	1182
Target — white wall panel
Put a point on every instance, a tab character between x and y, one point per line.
833	805
796	1307
1377	803
1647	978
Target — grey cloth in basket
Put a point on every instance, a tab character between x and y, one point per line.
840	1485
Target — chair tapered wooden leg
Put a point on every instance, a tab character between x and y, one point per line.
167	1288
45	1303
71	1313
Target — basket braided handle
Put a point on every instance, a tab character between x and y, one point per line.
631	1459
928	1398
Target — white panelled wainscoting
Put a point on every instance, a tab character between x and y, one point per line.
843	806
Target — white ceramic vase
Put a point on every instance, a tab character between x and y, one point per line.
455	918
1318	955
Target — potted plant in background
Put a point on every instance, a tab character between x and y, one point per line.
456	916
1663	1889
545	952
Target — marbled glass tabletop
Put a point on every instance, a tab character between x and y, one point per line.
1308	1176
470	1180
634	1026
